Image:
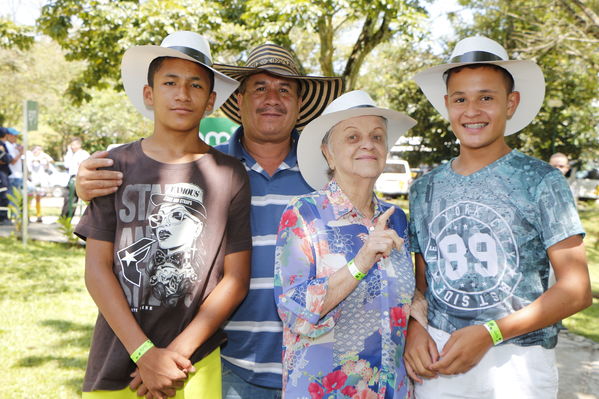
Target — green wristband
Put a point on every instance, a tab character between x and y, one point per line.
353	269
494	332
139	352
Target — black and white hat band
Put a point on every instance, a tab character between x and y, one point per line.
475	56
195	54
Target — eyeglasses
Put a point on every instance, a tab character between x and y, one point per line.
158	219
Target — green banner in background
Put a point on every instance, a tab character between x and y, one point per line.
215	131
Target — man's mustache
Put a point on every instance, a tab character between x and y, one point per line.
275	108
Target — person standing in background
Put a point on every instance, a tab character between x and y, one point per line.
72	159
15	180
5	160
38	163
560	161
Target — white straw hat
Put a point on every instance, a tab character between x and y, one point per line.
312	163
183	44
528	78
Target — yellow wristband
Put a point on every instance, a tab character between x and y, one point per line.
139	352
494	332
353	269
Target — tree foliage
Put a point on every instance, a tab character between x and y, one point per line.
361	24
561	39
19	38
12	35
37	74
99	31
108	118
388	77
42	74
376	45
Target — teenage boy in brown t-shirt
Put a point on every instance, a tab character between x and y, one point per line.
168	254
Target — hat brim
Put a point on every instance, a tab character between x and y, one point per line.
317	91
197	208
528	81
134	72
312	163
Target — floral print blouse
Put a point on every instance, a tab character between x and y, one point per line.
355	350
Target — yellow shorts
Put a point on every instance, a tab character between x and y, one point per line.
206	382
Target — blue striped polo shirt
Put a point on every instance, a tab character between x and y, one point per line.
254	331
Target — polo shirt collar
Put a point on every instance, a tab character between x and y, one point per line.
237	150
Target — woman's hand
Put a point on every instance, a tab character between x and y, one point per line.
379	244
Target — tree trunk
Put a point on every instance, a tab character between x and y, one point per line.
325	33
369	38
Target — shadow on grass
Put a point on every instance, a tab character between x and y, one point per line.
43	269
82	339
62	361
75	384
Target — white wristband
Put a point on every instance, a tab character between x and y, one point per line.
353	269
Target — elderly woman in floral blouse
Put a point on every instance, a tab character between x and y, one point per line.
344	282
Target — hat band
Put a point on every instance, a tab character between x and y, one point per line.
195	54
274	63
475	56
354	107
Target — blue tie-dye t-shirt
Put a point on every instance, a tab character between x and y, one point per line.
485	237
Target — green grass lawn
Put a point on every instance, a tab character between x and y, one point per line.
587	322
47	320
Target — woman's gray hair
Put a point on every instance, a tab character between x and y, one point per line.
327	136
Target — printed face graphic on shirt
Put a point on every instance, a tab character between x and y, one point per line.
176	223
167	262
175	226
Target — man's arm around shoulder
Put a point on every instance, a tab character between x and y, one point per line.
91	182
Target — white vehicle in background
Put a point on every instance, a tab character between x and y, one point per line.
58	178
395	179
585	185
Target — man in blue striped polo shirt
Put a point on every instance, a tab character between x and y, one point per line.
272	103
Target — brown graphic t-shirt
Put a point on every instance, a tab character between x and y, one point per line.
171	225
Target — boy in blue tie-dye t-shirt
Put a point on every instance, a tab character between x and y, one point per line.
486	228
